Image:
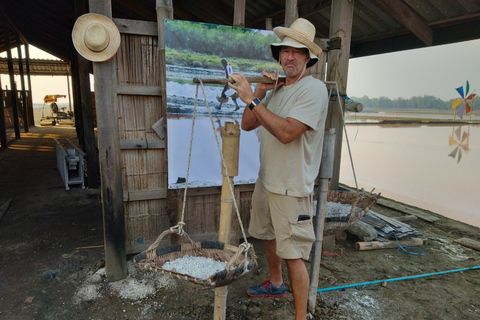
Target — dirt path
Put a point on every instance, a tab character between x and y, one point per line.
47	273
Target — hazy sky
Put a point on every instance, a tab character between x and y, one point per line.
435	71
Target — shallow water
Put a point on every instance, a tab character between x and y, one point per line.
432	167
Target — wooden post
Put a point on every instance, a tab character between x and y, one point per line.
230	151
84	110
291	12
325	173
109	155
22	83
13	87
239	14
341	17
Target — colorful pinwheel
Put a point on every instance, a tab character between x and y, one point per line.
464	105
458	139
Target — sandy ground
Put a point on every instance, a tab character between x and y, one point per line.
51	262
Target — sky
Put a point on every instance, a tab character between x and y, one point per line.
435	71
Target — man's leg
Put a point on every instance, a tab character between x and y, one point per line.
274	262
299	281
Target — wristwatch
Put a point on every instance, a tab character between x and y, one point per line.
253	104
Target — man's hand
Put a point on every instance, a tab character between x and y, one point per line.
245	91
243	88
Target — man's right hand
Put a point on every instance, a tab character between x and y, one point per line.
262	88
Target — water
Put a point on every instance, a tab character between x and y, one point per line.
418	165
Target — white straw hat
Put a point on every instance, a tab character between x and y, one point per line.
300	35
95	37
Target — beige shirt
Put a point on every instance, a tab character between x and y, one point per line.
291	169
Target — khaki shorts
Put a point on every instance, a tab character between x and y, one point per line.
276	216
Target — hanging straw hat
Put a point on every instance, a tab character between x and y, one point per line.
300	35
95	37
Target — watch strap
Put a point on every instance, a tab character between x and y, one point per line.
253	104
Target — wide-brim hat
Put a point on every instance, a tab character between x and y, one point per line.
300	35
95	37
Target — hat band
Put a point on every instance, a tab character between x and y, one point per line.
301	33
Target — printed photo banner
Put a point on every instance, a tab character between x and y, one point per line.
209	51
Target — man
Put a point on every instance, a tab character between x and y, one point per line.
223	97
292	121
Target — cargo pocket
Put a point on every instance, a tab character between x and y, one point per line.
302	231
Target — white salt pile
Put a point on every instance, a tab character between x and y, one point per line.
197	267
336	209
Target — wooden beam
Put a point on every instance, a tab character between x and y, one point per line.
110	162
409	18
136	27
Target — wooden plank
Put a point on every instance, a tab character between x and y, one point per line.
376	245
406	209
469	243
138	27
126	144
138	195
139	90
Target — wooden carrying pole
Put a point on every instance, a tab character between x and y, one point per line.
249	79
230	153
324	176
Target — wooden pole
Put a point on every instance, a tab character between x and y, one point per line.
376	245
230	152
109	156
325	173
341	18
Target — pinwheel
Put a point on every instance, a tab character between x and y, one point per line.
464	105
458	139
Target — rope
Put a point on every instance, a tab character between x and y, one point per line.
344	129
237	211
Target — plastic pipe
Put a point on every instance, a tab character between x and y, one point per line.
396	279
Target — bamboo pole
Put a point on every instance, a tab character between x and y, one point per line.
325	174
230	152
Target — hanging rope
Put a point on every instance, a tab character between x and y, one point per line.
344	128
230	186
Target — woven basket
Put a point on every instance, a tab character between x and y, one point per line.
240	260
362	200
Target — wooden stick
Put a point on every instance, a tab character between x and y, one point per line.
375	245
469	243
249	79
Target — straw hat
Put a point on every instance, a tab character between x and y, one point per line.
95	37
300	35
